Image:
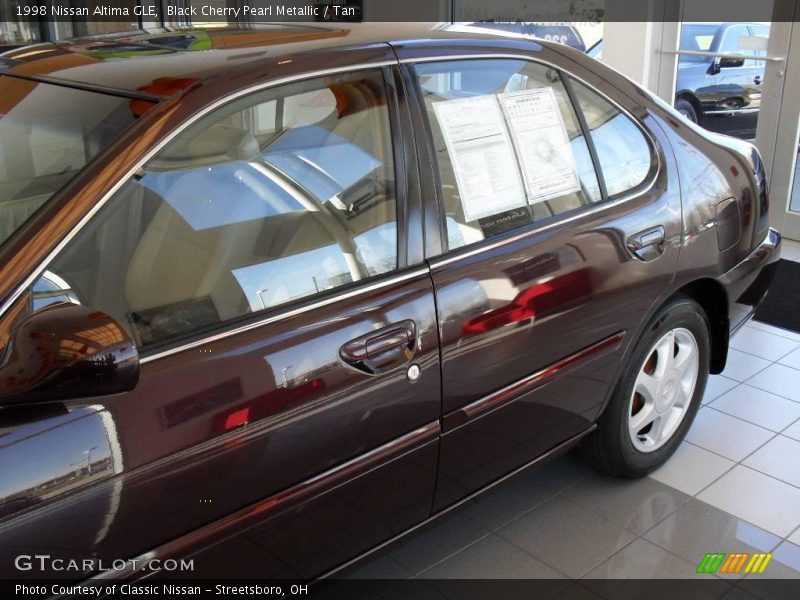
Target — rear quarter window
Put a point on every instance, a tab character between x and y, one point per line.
626	157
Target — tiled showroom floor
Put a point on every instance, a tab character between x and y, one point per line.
733	486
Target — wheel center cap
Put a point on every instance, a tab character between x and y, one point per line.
666	397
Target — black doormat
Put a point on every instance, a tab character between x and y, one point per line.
781	307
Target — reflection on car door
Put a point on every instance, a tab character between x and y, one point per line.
533	321
739	87
277	320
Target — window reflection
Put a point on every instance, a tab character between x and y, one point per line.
47	134
276	197
453	80
622	149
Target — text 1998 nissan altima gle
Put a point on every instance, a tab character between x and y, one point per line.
270	298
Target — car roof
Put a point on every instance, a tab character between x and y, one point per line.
130	63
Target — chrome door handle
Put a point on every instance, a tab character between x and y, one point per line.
381	350
649	244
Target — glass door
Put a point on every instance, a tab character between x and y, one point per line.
778	136
742	78
721	74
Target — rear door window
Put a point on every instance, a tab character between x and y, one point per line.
509	146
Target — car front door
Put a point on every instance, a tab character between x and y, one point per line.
547	270
290	379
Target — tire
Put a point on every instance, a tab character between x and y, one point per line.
656	399
686	108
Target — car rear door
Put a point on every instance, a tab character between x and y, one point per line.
546	270
267	263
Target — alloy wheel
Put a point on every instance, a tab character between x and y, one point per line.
663	390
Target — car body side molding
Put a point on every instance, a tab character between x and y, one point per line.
252	515
511	392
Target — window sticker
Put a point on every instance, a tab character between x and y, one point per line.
541	142
482	155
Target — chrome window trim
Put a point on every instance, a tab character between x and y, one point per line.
479	247
286	314
78	227
458	255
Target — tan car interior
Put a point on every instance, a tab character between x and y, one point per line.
175	278
39	156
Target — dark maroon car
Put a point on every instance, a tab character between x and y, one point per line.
276	296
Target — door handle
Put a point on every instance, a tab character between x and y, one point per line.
382	350
649	244
757	80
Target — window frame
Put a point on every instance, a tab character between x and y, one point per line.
446	255
403	158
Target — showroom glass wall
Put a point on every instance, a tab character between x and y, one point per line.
785	179
720	75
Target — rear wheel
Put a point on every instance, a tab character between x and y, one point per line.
657	396
686	108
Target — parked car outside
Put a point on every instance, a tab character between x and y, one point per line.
722	94
266	310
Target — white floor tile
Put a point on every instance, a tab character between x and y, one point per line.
743	366
793	431
792	359
691	469
756	406
792	254
778	379
778	458
716	386
786	333
757	498
795	537
787	560
787	243
763	344
725	435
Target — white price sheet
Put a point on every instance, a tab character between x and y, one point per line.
482	156
542	143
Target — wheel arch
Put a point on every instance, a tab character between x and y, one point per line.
711	297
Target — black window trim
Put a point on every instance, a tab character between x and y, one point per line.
652	145
587	135
448	256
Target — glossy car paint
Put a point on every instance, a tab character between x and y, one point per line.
572	276
259	452
66	349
